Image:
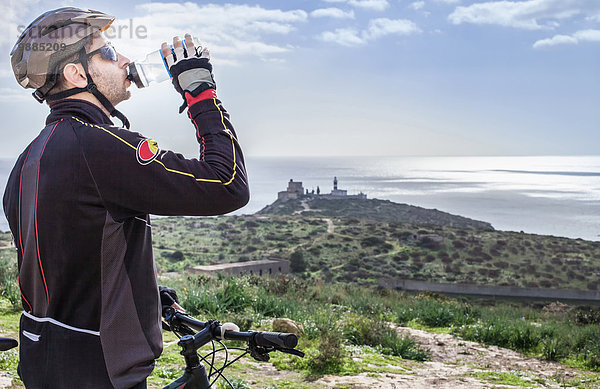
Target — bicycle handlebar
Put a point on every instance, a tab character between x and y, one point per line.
7	344
260	338
267	339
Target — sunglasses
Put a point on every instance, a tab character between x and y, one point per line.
107	52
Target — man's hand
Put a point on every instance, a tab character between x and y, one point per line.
189	66
168	297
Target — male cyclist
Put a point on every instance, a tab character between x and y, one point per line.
79	196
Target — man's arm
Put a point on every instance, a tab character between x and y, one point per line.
133	176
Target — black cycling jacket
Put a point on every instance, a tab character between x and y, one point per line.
77	202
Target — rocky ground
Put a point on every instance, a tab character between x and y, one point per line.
457	363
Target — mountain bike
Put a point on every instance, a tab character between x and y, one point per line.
259	345
194	334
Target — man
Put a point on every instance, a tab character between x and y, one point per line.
78	200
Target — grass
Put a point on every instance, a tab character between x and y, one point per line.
9	288
9	327
335	315
584	381
505	378
347	329
361	330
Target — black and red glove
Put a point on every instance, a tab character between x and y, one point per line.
168	296
190	68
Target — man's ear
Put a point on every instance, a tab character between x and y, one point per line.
75	75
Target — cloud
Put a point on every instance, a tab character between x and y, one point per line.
343	36
555	40
232	31
373	5
417	5
579	36
377	28
6	68
529	14
12	13
335	13
594	17
383	26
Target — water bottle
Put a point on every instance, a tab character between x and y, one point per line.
153	69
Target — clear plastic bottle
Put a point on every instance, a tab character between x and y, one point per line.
152	69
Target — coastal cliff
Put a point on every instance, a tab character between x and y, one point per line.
370	209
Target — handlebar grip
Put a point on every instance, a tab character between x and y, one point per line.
7	344
280	339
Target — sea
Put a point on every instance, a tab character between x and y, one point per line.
549	195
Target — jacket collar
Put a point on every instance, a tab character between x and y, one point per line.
82	109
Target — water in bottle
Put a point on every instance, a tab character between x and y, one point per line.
152	69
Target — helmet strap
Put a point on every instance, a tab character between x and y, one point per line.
92	88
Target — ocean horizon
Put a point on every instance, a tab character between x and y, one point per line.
549	195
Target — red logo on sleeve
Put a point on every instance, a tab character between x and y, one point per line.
147	151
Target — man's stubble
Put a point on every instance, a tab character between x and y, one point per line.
110	85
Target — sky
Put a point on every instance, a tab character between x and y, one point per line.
357	77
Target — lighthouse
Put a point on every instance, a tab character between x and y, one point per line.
337	192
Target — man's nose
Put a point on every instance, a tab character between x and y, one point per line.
123	60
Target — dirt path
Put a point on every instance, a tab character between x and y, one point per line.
304	206
330	225
457	363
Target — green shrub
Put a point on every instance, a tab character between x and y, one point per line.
360	330
516	335
587	342
404	314
229	296
437	312
321	319
587	316
9	361
366	303
297	262
553	349
9	288
323	344
271	305
331	353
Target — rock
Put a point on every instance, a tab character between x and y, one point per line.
287	325
5	382
557	307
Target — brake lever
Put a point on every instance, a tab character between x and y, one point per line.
260	353
170	323
292	351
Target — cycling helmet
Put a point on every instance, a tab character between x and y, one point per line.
50	39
